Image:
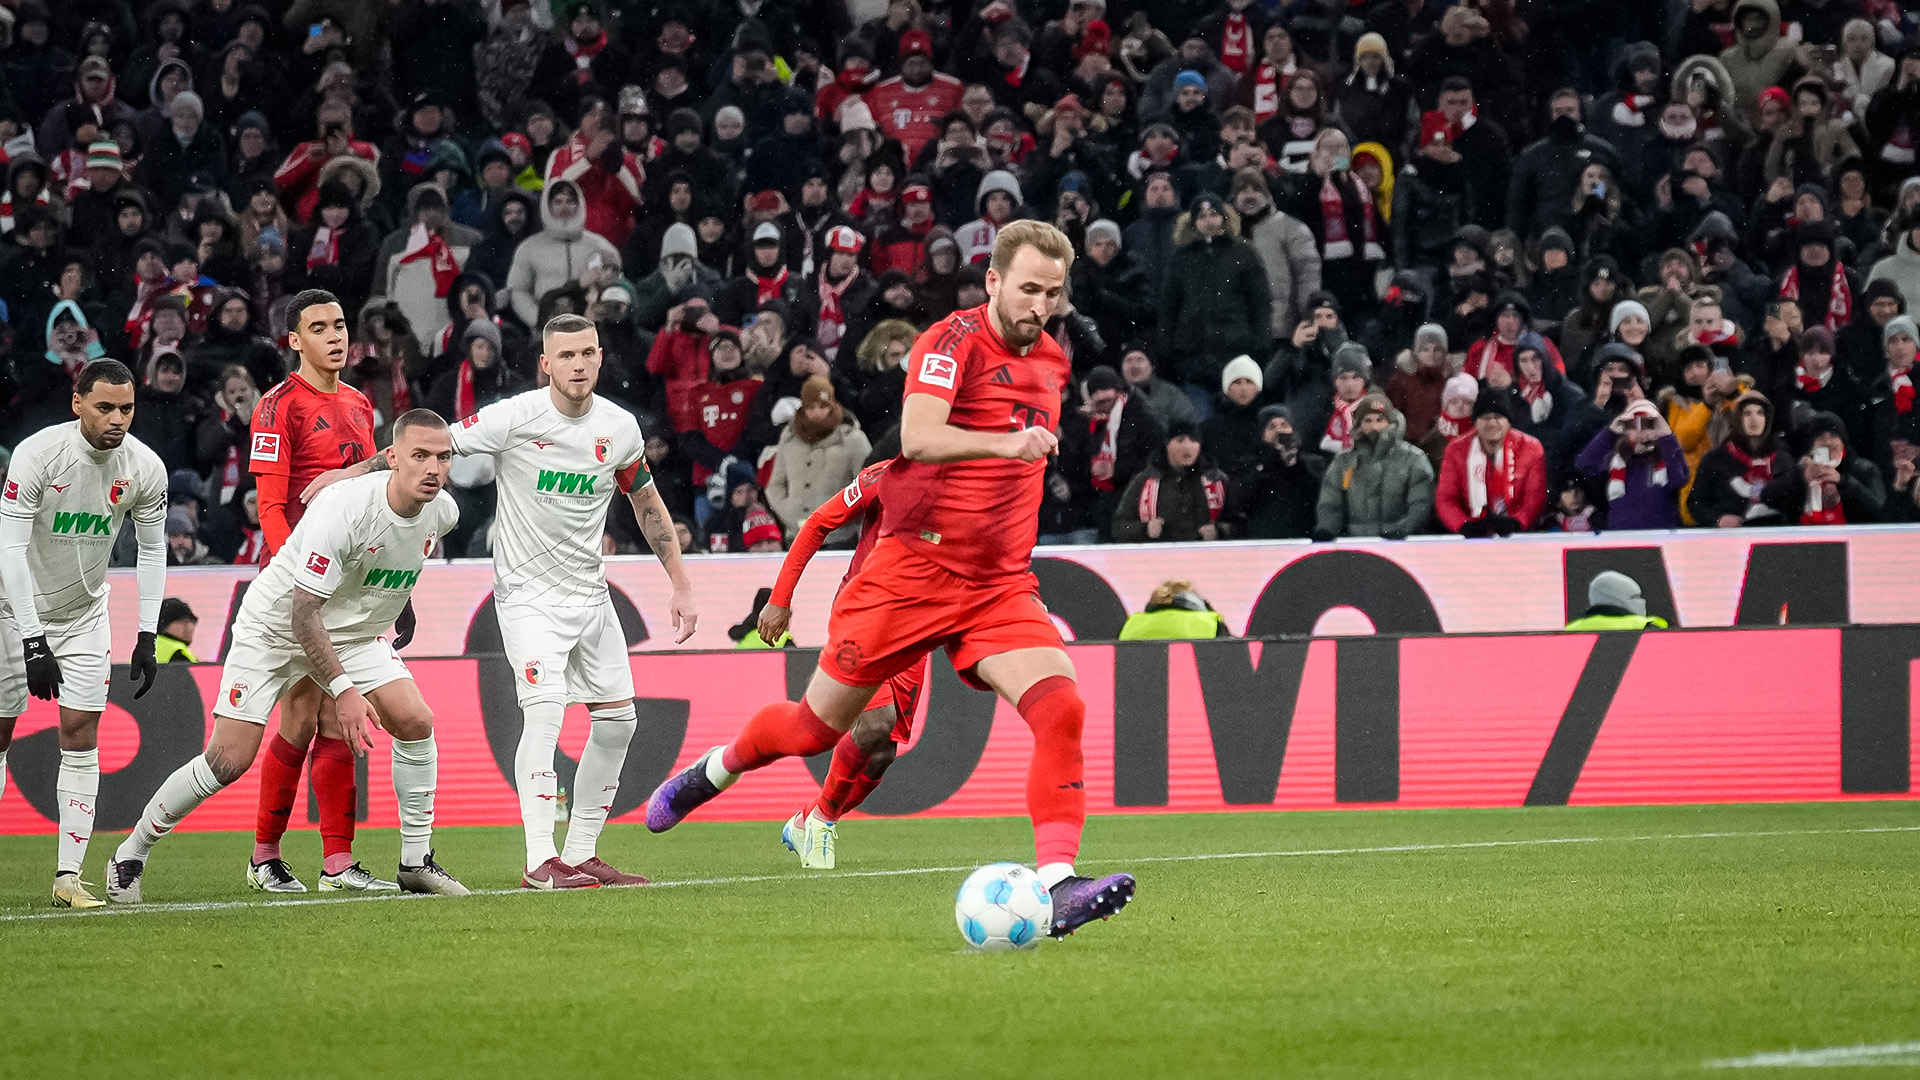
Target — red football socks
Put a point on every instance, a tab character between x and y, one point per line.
279	780
782	729
847	784
1056	777
337	791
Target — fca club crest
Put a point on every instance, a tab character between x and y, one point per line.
118	491
235	693
428	549
532	672
600	449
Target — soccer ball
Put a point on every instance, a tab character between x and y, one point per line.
1003	906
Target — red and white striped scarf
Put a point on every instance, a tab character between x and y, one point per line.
768	288
1333	216
1236	43
1149	505
423	244
1823	504
6	208
833	318
1752	484
1108	429
583	53
1902	390
1339	434
1451	428
463	392
1617	474
1839	297
1811	384
1483	495
1268	84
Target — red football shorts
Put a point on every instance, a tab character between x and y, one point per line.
902	693
901	606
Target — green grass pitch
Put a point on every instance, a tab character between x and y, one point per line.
1565	943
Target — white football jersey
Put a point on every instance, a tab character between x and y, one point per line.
76	498
352	548
555	476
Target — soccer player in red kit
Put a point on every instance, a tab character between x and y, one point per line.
952	568
306	424
862	755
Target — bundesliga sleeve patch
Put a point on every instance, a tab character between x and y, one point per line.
266	447
13	491
938	370
318	563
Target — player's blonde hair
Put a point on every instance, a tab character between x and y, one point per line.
1038	235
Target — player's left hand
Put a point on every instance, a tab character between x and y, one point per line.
684	617
145	667
324	480
403	627
43	670
774	621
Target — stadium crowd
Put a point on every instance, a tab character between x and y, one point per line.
1380	267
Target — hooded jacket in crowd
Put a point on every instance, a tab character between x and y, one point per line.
1381	487
1750	479
558	254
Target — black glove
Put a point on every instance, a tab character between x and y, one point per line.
43	671
1393	532
1503	525
403	627
1320	536
144	665
1476	529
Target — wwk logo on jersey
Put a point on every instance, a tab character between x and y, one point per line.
390	579
82	525
266	448
938	370
318	563
565	483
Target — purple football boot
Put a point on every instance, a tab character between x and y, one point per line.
1078	901
681	794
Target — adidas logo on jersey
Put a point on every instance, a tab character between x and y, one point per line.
82	525
1003	375
321	424
390	579
565	483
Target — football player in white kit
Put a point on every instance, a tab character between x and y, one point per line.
560	451
318	611
66	493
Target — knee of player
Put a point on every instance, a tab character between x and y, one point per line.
412	725
227	768
879	758
873	730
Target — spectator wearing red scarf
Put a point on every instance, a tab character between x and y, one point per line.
1843	488
1494	483
1751	478
608	174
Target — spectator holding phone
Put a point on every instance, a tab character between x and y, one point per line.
1843	488
1644	469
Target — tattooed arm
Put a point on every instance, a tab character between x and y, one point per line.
351	706
657	526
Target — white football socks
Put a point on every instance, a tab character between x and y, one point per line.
3	773
597	780
77	788
416	773
716	772
189	786
1054	873
534	777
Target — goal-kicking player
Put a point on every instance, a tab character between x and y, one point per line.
68	490
308	423
560	452
318	611
862	755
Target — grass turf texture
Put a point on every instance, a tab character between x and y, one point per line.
1623	956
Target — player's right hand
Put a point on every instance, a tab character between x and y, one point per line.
1032	444
357	720
324	480
43	671
774	620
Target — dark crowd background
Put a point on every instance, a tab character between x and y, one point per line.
1345	267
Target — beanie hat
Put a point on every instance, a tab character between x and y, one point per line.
1104	227
1275	412
679	239
1820	339
1556	239
1461	387
1187	78
1899	324
1370	43
1625	308
682	121
1104	378
1434	128
1241	367
1616	352
1430	332
1611	588
1491	403
1206	200
1368	405
915	42
758	528
846	239
1351	359
104	154
1883	288
766	233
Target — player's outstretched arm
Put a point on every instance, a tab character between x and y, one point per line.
657	526
927	438
356	716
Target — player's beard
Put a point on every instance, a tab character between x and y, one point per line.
1019	335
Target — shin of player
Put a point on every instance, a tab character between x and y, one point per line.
317	611
68	489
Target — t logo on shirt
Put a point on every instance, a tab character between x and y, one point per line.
318	563
937	370
266	447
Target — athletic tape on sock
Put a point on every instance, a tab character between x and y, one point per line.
416	773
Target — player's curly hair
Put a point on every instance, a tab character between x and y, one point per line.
1039	235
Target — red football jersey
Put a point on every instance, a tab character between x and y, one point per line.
859	501
300	432
977	519
913	116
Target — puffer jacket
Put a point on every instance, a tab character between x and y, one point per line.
1755	63
554	256
1216	304
1292	262
807	474
1383	489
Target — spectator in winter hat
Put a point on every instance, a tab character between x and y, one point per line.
1116	441
1274	498
1495	482
1512	318
1614	602
1419	376
1546	405
1751	478
1823	386
1821	283
1895	415
1109	286
1164	401
1180	497
1215	304
1382	487
1232	433
1192	117
820	452
1643	467
1327	416
1843	488
1857	347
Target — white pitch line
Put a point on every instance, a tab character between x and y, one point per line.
1293	853
1903	1053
